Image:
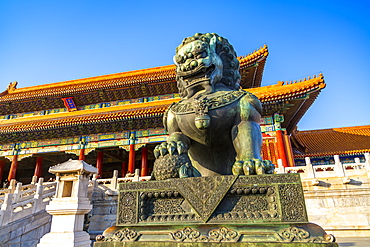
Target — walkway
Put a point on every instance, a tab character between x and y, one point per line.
354	242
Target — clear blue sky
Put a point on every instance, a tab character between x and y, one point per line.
50	41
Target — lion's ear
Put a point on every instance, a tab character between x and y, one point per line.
212	43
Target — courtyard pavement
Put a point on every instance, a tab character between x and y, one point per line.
353	242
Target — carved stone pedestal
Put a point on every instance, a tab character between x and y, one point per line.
264	210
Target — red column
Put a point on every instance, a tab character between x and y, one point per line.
281	147
2	167
288	149
38	167
124	169
144	161
99	163
131	158
13	168
82	154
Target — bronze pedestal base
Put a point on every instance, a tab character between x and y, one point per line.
264	210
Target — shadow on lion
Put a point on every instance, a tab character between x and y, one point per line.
214	128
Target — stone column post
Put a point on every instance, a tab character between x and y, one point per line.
280	168
136	177
34	180
114	180
18	192
38	196
12	185
339	169
310	173
367	163
69	205
6	210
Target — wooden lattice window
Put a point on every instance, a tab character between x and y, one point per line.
269	150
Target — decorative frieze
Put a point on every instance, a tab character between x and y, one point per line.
218	199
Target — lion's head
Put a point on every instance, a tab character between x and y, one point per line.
203	61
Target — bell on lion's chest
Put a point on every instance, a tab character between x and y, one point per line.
202	122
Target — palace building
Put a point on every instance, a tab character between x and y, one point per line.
115	121
322	145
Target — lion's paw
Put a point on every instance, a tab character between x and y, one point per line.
253	167
170	148
172	161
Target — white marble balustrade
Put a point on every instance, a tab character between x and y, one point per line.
338	169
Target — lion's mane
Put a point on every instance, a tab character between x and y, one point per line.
230	73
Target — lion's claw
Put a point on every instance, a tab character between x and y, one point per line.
171	148
172	161
253	167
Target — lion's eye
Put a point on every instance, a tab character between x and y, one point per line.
202	55
199	48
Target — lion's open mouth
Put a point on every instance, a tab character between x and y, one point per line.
197	73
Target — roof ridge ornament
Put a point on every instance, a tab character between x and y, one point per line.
12	86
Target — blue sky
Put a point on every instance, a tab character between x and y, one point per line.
50	41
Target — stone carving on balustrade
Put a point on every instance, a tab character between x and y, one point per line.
201	142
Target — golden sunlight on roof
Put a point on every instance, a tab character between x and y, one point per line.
111	81
281	90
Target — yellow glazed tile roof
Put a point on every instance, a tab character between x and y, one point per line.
112	81
253	57
96	116
92	83
283	90
328	142
280	91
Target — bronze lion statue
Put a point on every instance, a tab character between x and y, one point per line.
214	128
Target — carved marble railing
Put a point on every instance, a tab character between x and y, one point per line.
338	169
112	183
21	200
